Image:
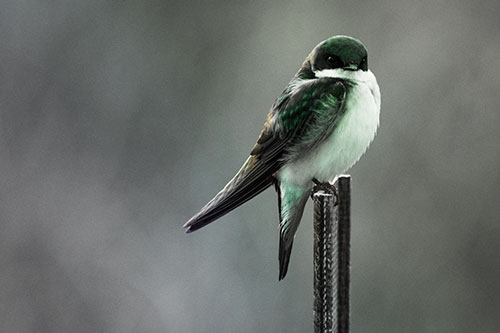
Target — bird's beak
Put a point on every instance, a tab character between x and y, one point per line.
351	67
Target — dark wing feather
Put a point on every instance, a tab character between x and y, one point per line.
284	121
253	178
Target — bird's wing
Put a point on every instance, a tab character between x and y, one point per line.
291	116
301	118
325	105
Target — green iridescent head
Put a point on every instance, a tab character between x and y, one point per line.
339	52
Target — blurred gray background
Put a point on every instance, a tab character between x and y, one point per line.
120	119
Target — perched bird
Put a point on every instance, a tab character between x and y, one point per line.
319	126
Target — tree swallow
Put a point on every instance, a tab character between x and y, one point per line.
319	126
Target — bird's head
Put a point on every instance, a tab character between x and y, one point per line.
338	52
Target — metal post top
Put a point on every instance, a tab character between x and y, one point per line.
322	194
339	183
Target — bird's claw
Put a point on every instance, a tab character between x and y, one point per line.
326	187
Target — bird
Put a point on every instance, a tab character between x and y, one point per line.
318	127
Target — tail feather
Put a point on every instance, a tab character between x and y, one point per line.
292	202
284	258
253	178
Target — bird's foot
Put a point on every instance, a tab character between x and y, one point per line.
326	187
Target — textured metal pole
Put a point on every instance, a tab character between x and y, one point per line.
325	267
332	232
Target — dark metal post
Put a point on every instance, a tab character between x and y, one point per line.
332	232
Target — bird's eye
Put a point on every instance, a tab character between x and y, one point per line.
333	61
362	65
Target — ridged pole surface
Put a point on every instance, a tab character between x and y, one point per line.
332	232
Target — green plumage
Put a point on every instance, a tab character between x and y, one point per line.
319	98
296	113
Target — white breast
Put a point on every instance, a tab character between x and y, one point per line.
351	137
